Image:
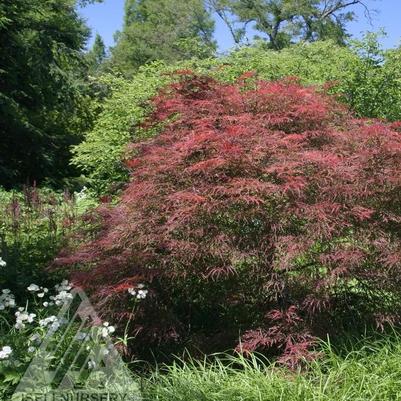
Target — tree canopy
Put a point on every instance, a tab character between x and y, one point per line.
281	22
41	98
163	30
97	55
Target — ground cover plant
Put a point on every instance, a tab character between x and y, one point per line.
368	371
263	210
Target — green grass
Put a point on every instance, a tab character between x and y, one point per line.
370	370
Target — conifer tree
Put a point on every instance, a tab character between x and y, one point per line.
97	55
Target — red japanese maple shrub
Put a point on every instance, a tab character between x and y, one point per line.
263	210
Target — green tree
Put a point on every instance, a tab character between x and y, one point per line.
163	30
281	22
97	55
43	105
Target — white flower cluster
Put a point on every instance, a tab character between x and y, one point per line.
5	352
64	286
41	291
23	317
7	300
63	293
139	292
62	296
107	329
2	262
53	322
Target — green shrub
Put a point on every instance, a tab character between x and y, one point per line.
100	155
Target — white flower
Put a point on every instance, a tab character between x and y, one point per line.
45	304
91	364
33	288
2	262
62	297
22	317
107	329
41	294
82	194
5	352
7	300
142	294
31	349
64	286
31	317
47	321
19	325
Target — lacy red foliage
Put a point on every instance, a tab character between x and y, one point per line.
262	208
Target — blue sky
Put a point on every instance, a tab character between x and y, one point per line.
107	17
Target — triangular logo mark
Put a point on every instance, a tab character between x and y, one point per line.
77	357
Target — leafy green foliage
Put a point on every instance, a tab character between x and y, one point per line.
34	225
100	156
163	30
315	63
372	86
